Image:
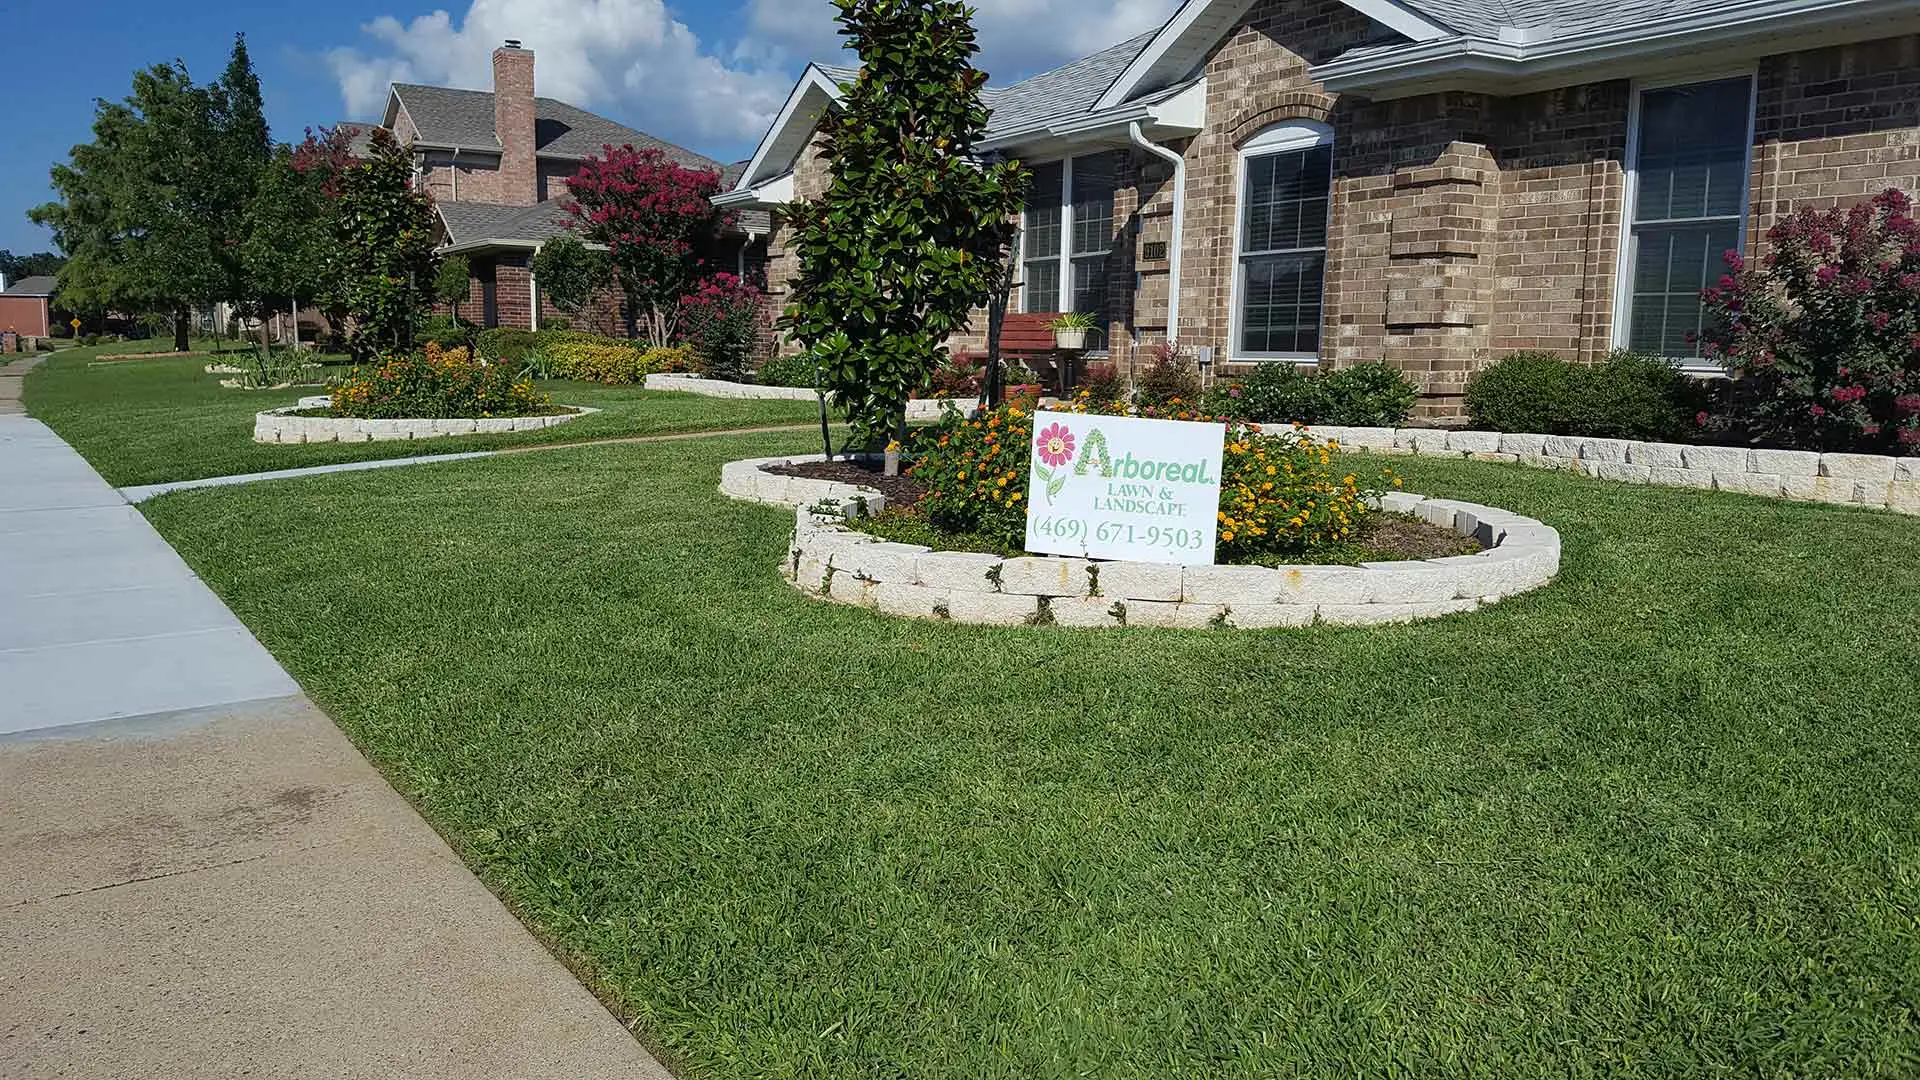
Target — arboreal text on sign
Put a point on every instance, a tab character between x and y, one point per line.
1120	487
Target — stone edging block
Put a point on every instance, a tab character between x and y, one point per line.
280	426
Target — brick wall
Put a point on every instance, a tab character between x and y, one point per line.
513	125
478	177
1832	127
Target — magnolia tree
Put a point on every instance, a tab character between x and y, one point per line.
381	265
906	238
655	217
570	272
1824	335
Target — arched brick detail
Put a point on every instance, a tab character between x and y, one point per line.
1269	109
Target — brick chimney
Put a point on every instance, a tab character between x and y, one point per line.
513	124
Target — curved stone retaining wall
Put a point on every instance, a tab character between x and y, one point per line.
917	409
829	560
279	426
1891	483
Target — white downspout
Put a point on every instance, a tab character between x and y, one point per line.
533	290
1179	223
454	169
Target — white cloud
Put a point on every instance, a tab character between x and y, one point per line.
1017	37
630	59
635	61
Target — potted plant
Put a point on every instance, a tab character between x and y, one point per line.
1070	330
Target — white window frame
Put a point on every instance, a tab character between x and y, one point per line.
1064	296
1630	195
1286	136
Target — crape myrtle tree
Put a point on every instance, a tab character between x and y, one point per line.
656	218
907	237
381	266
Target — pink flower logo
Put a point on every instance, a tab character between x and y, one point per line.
1055	445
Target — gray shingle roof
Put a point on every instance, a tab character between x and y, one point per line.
1063	92
468	222
37	285
464	118
361	144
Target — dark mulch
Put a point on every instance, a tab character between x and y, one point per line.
1407	537
900	491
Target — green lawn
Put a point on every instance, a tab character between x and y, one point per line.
150	421
1661	818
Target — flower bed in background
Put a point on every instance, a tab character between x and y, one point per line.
435	384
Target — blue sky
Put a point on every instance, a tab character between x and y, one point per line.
708	74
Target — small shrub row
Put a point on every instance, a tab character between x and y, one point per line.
1363	395
1626	396
600	361
794	370
435	384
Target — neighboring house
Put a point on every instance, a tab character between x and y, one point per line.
1433	183
26	307
496	164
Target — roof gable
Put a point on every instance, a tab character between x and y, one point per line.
463	120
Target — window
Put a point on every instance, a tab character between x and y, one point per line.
1066	235
1040	240
1689	195
1286	180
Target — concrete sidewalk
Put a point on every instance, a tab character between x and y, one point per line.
199	875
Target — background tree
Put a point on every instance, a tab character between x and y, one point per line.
381	264
15	267
451	283
134	215
656	218
570	272
903	243
238	149
288	233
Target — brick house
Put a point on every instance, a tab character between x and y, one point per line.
26	307
1433	183
496	163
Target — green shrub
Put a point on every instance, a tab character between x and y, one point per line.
1101	384
447	331
1275	393
1626	396
436	384
1167	381
1364	395
596	361
795	370
1367	395
505	343
1523	392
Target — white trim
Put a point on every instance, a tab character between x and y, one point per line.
813	82
1177	229
775	192
1192	18
1630	191
1284	137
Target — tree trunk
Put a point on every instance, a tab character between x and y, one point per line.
180	329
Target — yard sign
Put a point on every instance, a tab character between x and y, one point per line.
1116	487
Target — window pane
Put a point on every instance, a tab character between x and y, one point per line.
1692	150
1671	264
1285	203
1093	185
1090	285
1280	303
1041	221
1042	292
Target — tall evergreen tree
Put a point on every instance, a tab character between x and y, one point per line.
905	240
380	267
137	216
239	149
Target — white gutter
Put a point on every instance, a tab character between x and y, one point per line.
1179	221
1537	51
